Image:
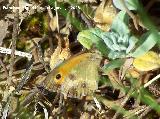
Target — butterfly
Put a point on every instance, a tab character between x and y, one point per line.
76	77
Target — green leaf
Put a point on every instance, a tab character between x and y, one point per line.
120	23
149	100
110	38
113	64
114	55
120	45
92	37
132	42
131	4
146	21
150	41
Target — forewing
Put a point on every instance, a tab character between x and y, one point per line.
83	79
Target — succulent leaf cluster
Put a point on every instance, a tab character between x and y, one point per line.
120	45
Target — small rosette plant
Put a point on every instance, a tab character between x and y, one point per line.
120	45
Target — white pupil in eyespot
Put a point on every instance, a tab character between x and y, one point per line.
58	76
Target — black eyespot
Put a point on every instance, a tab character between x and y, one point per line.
58	76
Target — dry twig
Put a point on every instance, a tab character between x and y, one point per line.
14	38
